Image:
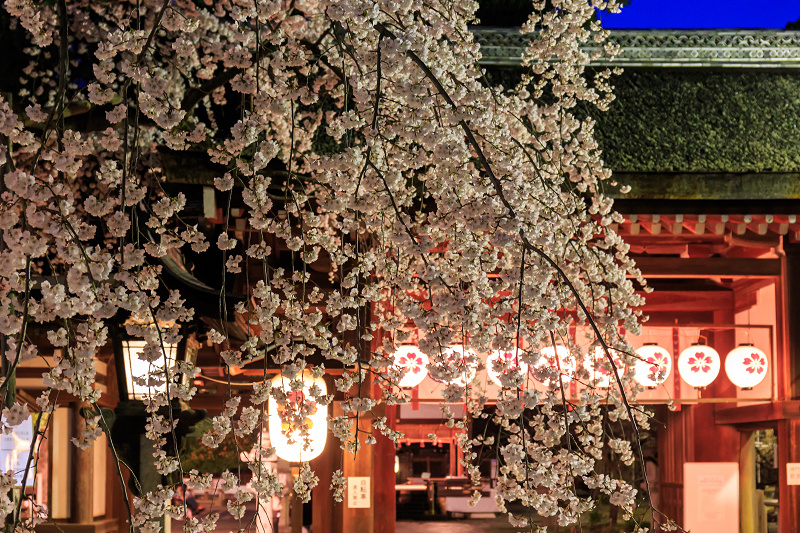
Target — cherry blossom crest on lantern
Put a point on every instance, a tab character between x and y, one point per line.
413	363
554	362
600	372
505	368
746	366
699	365
653	365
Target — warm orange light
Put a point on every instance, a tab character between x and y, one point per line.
507	364
565	364
698	365
463	360
653	366
746	366
600	372
291	445
413	362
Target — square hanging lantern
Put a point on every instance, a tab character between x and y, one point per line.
139	378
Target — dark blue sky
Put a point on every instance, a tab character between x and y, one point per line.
704	14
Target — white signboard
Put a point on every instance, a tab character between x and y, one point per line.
793	473
710	497
15	450
358	493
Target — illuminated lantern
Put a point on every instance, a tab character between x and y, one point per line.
653	366
547	360
455	365
139	379
600	373
413	362
746	366
509	366
698	365
289	445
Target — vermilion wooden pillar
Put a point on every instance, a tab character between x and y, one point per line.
375	462
82	465
326	515
383	477
788	372
789	495
359	464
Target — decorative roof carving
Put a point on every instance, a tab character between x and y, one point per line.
666	48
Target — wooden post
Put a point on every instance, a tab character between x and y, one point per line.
789	495
326	514
297	514
82	463
748	512
383	479
761	513
359	464
788	386
790	282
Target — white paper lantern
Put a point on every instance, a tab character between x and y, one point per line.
746	366
413	362
653	366
601	374
454	365
509	365
547	360
294	447
699	365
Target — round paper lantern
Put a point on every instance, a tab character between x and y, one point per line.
455	365
746	366
289	444
653	366
413	362
547	360
698	365
600	372
506	363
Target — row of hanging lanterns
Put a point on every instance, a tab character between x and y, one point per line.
698	365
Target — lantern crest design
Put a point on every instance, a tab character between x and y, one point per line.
700	362
699	365
505	366
746	366
600	372
653	366
413	362
298	423
755	364
455	365
554	361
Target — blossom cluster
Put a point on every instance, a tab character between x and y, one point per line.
373	182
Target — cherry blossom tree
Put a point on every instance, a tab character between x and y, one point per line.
363	136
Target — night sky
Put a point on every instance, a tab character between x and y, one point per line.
709	14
